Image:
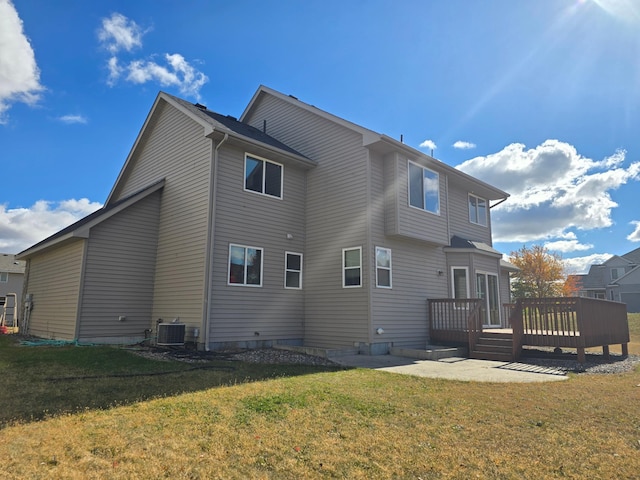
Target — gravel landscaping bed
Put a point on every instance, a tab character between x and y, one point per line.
271	356
567	362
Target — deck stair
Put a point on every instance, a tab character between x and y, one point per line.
494	346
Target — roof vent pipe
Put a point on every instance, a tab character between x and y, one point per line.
264	126
401	138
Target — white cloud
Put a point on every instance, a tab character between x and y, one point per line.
464	145
553	189
635	235
73	119
177	73
119	33
22	227
579	265
430	144
567	246
19	73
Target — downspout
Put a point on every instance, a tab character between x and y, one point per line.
213	190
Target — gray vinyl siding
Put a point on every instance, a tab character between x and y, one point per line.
336	219
54	283
630	290
175	149
12	285
119	273
405	220
270	312
459	223
402	310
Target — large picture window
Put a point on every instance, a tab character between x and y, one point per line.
424	188
292	270
477	210
262	176
383	267
352	267
245	265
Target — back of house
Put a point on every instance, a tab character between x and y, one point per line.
289	225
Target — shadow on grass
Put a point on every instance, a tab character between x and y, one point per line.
44	381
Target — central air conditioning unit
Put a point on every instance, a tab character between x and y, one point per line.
170	334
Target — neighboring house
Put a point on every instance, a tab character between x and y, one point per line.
617	279
290	225
11	280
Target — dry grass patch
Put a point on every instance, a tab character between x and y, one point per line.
272	422
349	424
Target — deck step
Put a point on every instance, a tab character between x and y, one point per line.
497	356
494	346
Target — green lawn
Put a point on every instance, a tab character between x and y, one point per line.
136	418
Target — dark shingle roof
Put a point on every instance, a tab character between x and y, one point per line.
633	256
595	278
234	125
459	242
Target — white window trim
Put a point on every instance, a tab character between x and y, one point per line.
6	277
486	212
390	268
409	188
343	269
453	285
289	270
245	284
264	176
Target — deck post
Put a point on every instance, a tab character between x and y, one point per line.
605	352
581	356
625	349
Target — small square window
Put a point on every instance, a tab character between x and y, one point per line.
293	270
383	267
262	176
352	267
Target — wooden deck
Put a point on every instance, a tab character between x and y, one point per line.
566	322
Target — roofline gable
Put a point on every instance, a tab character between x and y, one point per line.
82	227
210	127
373	140
263	90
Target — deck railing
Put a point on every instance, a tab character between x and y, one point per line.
571	322
449	319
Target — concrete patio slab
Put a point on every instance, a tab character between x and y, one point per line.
455	368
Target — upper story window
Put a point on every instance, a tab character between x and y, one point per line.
4	277
352	267
262	176
383	267
424	188
477	210
617	272
245	265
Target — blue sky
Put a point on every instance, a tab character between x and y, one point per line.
540	98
